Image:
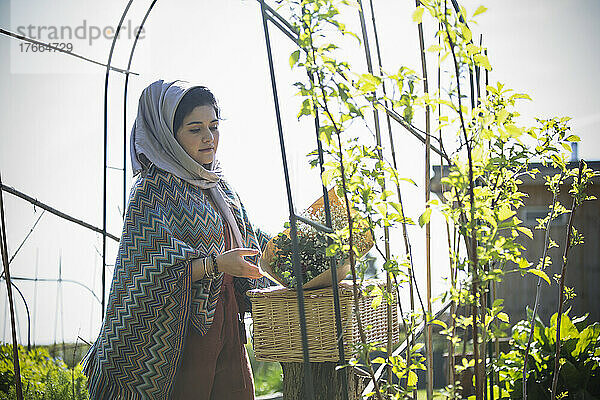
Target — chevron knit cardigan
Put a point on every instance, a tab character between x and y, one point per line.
168	223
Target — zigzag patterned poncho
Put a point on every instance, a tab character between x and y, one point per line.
168	223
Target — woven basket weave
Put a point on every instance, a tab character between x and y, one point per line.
277	326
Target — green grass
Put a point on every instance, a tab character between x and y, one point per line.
42	376
268	376
46	372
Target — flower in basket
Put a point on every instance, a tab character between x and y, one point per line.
312	245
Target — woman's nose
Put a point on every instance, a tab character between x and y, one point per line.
207	135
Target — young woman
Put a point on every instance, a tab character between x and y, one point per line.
173	327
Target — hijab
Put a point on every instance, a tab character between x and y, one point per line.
153	142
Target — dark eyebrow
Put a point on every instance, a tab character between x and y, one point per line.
200	122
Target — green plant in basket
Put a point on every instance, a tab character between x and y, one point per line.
312	246
314	251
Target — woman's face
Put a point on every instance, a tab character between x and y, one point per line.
199	134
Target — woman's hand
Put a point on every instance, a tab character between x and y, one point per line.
233	262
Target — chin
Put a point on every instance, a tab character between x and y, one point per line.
205	162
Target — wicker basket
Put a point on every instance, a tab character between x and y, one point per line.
277	326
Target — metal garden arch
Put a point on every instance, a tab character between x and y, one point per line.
268	15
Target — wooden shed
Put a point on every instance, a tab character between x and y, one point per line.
583	269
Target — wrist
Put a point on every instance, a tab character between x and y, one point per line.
198	269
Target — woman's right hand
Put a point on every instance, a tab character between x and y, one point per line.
233	262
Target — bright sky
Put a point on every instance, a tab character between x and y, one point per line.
52	123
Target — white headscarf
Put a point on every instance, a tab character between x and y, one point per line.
153	142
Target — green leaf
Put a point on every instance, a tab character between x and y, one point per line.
482	60
418	15
381	207
505	212
503	317
586	336
440	323
369	82
472	49
567	329
492	89
526	231
424	218
480	10
294	58
306	108
541	274
513	130
417	347
328	175
573	138
434	48
520	96
412	378
523	263
466	32
377	294
501	115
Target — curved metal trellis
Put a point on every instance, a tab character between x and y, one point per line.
104	169
26	309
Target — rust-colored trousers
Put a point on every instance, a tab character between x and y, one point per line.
216	366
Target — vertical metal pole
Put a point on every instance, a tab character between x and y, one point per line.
104	190
428	270
308	383
491	296
35	283
5	321
4	250
58	284
62	306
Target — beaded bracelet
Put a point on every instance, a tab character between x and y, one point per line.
205	268
203	264
215	267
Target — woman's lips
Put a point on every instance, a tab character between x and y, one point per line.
205	150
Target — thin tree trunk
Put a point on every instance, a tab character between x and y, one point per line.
429	341
328	383
473	237
561	287
537	291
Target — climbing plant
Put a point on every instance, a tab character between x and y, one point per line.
485	149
